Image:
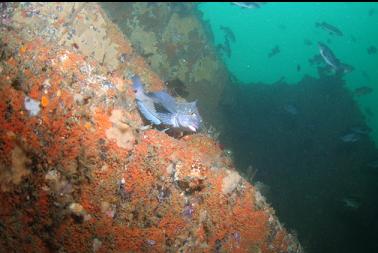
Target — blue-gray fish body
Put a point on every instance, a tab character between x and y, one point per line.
350	138
248	5
161	108
328	56
331	60
330	28
292	109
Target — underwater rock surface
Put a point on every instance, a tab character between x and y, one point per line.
175	44
82	174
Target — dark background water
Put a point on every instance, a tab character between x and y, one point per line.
278	40
323	188
306	136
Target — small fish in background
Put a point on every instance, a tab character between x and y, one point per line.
307	42
282	27
162	109
350	138
352	203
371	12
371	50
362	130
224	48
228	33
331	60
373	164
291	109
274	51
363	90
355	133
331	29
298	67
248	5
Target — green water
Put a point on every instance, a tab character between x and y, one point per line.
288	25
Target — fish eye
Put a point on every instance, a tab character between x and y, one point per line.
193	113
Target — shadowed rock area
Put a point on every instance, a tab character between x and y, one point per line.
309	145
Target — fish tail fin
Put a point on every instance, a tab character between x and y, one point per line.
137	84
346	68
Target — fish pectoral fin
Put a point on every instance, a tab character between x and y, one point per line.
165	129
165	118
160	108
148	114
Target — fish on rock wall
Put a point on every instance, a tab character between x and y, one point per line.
79	169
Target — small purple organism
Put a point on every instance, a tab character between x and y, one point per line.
188	211
123	58
5	14
121	191
218	246
237	237
163	194
150	242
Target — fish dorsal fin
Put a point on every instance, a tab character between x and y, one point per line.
186	106
165	100
137	84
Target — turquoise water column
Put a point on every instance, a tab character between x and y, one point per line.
291	28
